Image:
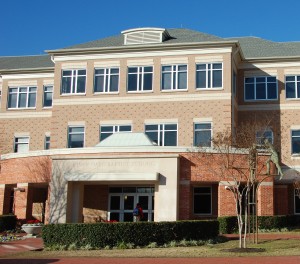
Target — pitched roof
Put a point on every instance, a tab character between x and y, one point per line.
178	35
26	62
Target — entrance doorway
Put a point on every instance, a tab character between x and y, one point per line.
122	201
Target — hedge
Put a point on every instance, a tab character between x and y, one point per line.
229	224
7	222
100	235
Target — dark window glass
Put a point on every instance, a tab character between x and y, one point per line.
115	202
202	200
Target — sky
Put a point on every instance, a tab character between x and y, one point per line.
29	27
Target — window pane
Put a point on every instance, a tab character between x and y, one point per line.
114	83
133	70
147	82
104	136
170	127
99	84
272	91
201	67
166	81
260	91
217	79
203	126
153	136
166	68
201	79
81	72
66	85
290	90
203	138
296	133
81	84
107	128
76	129
125	129
151	127
115	203
296	145
31	99
128	202
12	100
132	82
170	138
297	204
22	100
182	80
182	67
249	91
217	66
202	204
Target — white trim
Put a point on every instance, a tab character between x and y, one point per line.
291	71
266	184
21	134
73	65
209	59
143	54
110	176
294	127
115	122
202	119
22	83
28	76
23	184
148	62
178	60
144	99
106	64
160	121
23	114
2	186
76	123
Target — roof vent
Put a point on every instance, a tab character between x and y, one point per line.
145	35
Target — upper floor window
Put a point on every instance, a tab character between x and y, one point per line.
262	135
47	142
21	144
209	75
22	97
292	87
260	88
162	134
106	80
107	130
202	134
73	81
140	79
174	77
202	200
75	137
295	141
48	96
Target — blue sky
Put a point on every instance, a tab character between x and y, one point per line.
33	26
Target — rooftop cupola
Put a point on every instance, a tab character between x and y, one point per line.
145	35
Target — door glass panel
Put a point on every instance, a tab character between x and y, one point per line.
128	202
145	218
115	216
128	217
143	200
115	203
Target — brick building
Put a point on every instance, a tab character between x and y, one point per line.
89	130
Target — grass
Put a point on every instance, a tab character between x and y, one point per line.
281	247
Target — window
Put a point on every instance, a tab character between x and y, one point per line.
162	134
209	75
76	137
140	79
47	142
73	81
295	141
174	77
106	131
202	200
260	88
106	80
22	97
292	87
48	94
21	144
202	135
264	134
297	202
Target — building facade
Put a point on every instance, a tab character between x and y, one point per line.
88	131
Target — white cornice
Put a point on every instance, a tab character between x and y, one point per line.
142	99
24	114
142	54
262	65
28	76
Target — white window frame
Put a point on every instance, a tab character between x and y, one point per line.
296	83
76	133
161	130
209	76
17	144
298	130
47	92
199	130
18	93
259	136
266	90
205	194
74	76
106	79
174	77
116	129
140	78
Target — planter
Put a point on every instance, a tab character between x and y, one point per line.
32	229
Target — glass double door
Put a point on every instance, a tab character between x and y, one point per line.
121	206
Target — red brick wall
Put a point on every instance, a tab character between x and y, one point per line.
265	200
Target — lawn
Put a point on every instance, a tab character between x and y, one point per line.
279	247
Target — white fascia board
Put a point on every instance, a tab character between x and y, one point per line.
28	76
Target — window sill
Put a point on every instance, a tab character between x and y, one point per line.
296	156
73	94
108	93
174	90
259	100
210	89
292	99
139	92
26	108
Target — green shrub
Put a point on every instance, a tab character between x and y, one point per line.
101	235
7	222
229	225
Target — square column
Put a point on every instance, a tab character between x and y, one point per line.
23	201
226	202
265	199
